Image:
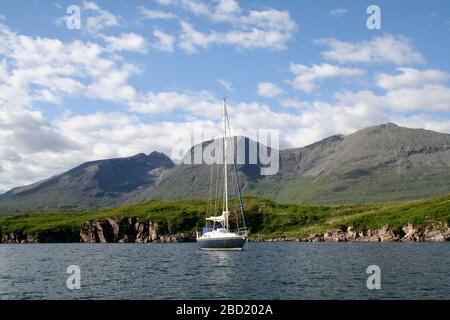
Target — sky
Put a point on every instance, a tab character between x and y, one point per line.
140	76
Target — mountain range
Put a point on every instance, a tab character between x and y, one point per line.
376	164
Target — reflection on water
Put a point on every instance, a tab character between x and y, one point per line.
220	258
264	271
222	272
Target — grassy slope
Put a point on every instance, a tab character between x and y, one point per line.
368	189
266	218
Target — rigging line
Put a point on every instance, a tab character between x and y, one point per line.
233	182
241	205
219	183
223	197
210	190
236	195
231	140
225	165
216	196
233	178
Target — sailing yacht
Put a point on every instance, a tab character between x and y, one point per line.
216	234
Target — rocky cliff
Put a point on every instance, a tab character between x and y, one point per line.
132	230
433	233
104	231
129	230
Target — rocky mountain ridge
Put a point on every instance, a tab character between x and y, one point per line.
375	164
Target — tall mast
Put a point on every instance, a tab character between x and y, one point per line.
225	212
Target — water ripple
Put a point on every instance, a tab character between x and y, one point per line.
265	271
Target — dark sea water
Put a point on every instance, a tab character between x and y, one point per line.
264	271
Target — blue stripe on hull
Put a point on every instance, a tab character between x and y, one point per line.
224	244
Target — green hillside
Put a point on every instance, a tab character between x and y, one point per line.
266	218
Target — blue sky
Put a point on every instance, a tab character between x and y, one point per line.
138	75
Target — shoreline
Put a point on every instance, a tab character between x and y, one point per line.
132	230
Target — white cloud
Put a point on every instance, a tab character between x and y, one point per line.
113	86
191	39
226	85
262	117
165	41
425	121
96	19
157	14
48	69
127	42
268	28
270	19
293	103
28	131
199	103
47	96
306	77
52	65
193	6
351	111
319	120
268	89
165	2
431	98
409	77
387	48
337	12
32	151
226	9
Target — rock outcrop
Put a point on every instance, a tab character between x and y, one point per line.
409	233
129	230
335	235
437	232
135	230
103	231
17	237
